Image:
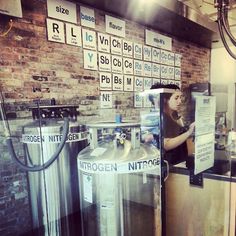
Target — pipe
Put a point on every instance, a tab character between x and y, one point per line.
11	147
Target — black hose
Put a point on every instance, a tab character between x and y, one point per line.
50	161
224	40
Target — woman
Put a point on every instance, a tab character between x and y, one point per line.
174	135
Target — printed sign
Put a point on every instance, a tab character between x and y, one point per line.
128	66
73	35
117	82
146	102
127	48
89	39
164	57
156	55
88	188
87	17
171	72
138	67
147	53
115	26
205	115
177	73
156	70
164	72
147	83
55	31
138	100
128	83
119	167
103	43
138	51
116	64
53	138
156	81
157	40
204	152
106	99
178	59
105	81
116	46
104	61
170	59
138	84
62	10
147	69
164	81
90	60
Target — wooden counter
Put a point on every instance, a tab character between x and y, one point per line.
196	211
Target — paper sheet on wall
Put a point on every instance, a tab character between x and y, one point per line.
205	115
204	152
204	133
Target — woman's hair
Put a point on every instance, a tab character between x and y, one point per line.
167	95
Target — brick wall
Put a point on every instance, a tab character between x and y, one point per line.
25	52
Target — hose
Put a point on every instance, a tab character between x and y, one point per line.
50	161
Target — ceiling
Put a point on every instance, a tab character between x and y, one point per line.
191	20
206	7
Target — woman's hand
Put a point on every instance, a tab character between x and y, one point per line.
191	128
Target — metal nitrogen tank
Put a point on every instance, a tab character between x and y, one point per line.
54	192
119	182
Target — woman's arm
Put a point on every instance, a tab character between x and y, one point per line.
171	143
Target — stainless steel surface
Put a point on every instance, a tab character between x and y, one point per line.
170	16
53	192
119	201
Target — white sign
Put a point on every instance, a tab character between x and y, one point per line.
147	53
164	57
156	55
53	138
119	167
104	61
128	83
170	58
156	81
127	48
138	84
156	70
171	72
106	99
164	81
88	187
178	59
117	82
157	40
116	46
116	64
62	10
89	39
164	72
138	51
73	35
90	60
205	115
103	43
105	81
177	73
204	152
56	32
87	17
147	69
115	26
138	67
138	100
128	66
147	83
146	102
